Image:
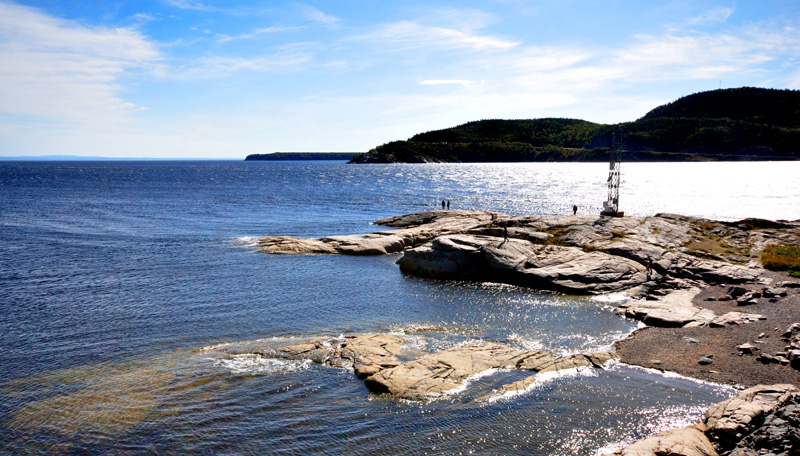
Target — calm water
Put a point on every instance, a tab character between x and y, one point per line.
115	275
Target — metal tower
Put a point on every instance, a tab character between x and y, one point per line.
611	205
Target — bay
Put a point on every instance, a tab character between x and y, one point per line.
116	275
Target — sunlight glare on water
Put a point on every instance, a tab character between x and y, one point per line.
116	277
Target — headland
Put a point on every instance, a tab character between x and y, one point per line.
710	308
745	123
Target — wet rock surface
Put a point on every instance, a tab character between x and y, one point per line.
762	420
387	366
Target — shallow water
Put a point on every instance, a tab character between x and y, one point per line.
116	275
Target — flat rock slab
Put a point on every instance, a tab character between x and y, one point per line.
448	371
414	229
382	361
444	372
735	318
673	311
582	254
365	354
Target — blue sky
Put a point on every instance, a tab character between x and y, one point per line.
223	79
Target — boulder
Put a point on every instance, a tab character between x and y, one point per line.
770	292
764	419
569	269
688	441
736	291
730	421
674	310
735	318
746	348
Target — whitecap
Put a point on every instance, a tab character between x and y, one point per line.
611	298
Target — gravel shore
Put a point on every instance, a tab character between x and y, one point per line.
680	349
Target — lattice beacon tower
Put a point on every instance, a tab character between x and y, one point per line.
611	205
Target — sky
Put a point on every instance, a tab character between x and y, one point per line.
228	78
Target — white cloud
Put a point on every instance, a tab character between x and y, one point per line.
719	14
214	67
462	82
222	38
312	14
55	70
412	35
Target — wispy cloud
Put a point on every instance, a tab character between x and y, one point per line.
312	14
413	35
718	15
221	66
462	82
57	70
222	38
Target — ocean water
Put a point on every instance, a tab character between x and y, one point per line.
117	277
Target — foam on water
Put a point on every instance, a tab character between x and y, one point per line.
541	379
253	364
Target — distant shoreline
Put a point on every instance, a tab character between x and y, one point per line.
281	156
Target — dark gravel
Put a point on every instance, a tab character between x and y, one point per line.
679	349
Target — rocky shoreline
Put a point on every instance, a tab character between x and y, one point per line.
712	312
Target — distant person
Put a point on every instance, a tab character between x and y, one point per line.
649	265
574	209
448	205
442	204
505	232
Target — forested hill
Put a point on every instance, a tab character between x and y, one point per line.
731	124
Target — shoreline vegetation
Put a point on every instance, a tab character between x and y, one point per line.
301	156
711	310
744	124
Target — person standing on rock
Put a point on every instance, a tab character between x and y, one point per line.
442	204
649	265
574	209
505	232
448	205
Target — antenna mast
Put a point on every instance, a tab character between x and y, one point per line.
611	205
